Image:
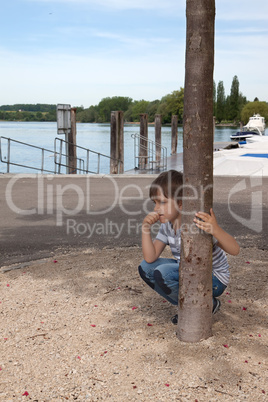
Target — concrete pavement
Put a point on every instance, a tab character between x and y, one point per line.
42	214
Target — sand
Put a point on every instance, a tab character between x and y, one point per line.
83	326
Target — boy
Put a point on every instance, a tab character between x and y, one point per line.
162	274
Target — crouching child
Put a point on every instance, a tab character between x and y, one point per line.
162	274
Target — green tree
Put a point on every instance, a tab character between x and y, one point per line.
137	108
39	116
163	110
107	105
221	101
242	101
19	116
128	115
174	103
52	115
227	108
89	115
30	117
171	104
254	107
234	100
152	110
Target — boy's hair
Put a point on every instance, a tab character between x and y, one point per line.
170	183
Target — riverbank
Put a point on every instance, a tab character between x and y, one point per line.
108	122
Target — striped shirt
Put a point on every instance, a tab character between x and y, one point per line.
220	266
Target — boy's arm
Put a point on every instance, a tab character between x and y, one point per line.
210	225
151	250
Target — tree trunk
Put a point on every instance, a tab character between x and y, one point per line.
195	278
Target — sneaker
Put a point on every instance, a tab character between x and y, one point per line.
174	319
217	306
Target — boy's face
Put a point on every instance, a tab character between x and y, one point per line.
167	208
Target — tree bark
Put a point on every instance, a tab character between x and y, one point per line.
195	276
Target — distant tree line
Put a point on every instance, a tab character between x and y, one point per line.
232	108
28	112
229	108
39	107
101	113
28	116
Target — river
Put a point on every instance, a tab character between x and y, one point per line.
89	135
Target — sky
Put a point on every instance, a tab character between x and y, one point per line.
81	51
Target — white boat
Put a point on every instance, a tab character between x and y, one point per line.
256	123
255	126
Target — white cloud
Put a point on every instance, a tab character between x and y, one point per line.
142	41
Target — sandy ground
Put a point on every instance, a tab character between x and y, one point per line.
83	326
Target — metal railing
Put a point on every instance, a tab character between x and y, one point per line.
149	154
87	163
5	157
42	161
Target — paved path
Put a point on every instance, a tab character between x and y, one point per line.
43	214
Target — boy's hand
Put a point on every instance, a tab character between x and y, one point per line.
151	218
208	223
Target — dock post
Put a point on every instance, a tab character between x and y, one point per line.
143	149
72	159
117	142
157	126
174	134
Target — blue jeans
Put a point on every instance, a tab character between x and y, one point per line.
162	275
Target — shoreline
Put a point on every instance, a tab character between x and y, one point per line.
127	123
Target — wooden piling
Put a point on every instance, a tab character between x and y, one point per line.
143	148
117	142
174	134
72	159
158	126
